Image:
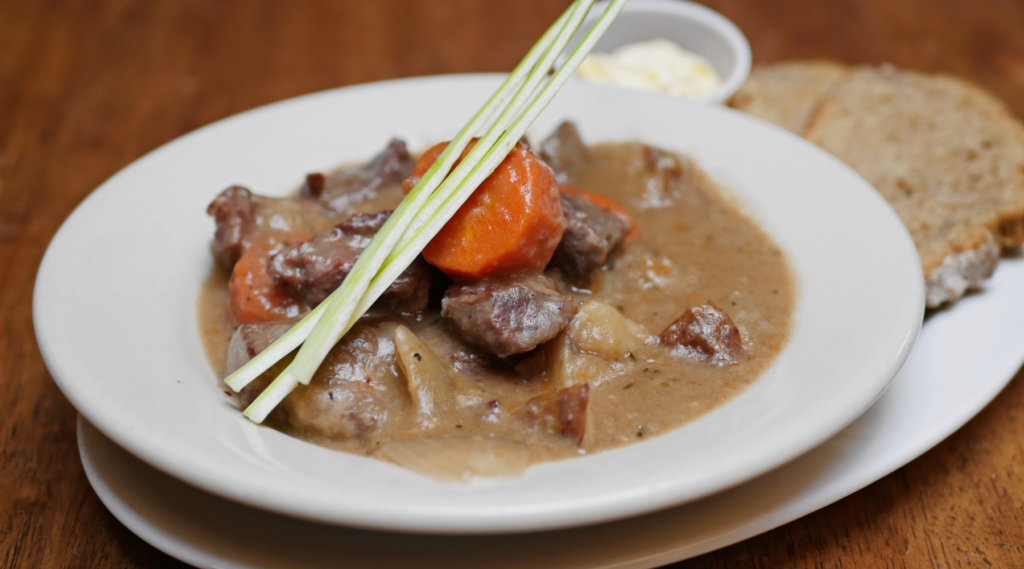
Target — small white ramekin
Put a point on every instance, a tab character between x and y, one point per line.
692	26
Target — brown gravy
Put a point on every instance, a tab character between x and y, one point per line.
693	247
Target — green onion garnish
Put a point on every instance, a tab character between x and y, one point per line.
426	209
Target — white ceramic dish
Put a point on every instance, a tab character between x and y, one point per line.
122	342
691	26
962	359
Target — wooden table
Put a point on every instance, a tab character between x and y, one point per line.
86	87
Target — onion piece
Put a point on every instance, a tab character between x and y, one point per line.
430	385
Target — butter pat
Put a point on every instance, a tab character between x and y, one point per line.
657	65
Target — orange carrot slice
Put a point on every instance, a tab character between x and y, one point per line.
254	297
512	222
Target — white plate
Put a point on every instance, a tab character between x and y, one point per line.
115	297
963	358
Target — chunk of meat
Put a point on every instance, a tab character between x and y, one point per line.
705	332
667	176
360	183
276	223
251	339
367	224
244	219
249	229
564	151
591	235
233	210
506	315
312	270
248	340
352	394
607	204
562	412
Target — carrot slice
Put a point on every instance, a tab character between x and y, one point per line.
254	297
512	222
607	204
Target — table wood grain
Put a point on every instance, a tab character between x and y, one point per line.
86	87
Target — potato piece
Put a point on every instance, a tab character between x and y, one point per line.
602	330
430	385
568	366
457	458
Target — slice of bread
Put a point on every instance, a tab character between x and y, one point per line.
946	154
789	93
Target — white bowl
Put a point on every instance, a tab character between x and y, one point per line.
692	26
115	303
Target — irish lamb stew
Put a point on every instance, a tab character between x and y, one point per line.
631	297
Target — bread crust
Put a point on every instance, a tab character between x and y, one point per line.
960	272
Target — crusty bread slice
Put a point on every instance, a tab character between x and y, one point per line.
789	93
947	156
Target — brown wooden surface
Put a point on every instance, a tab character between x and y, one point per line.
86	87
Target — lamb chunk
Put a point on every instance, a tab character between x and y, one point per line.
564	151
352	393
367	224
360	183
667	177
506	315
705	332
247	341
313	187
312	270
410	292
233	210
591	236
562	412
251	339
